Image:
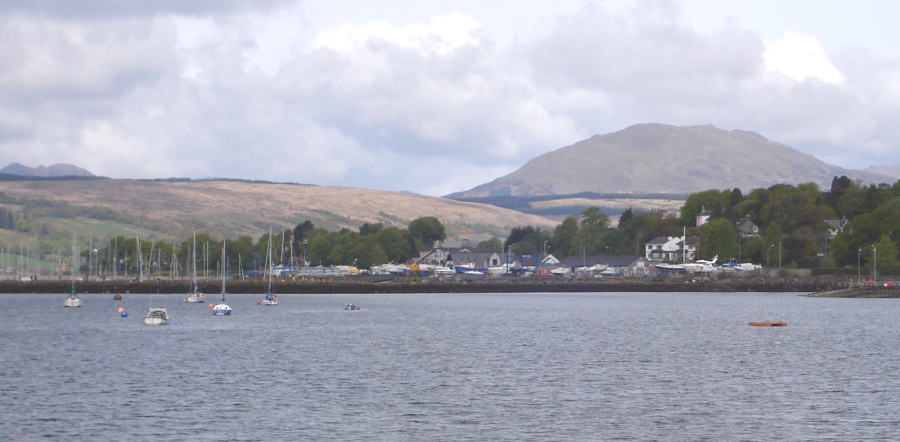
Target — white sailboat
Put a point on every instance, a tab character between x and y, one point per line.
271	298
73	300
156	315
222	309
195	295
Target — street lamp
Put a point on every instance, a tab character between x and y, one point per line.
858	266
779	254
767	254
874	264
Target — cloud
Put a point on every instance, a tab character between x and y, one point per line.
801	57
106	9
166	89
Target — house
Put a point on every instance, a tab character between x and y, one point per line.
619	265
464	257
835	226
671	248
747	228
703	217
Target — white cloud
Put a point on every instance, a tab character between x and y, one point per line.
801	57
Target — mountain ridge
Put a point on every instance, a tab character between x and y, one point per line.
53	171
660	158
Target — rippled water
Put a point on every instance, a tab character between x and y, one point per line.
592	366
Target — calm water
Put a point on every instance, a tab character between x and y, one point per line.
517	367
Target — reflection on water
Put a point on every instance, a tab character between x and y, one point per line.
604	366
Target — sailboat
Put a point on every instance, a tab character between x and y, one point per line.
156	315
73	300
222	309
271	298
195	295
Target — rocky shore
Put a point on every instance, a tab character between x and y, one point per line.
375	285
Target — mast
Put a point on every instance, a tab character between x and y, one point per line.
223	270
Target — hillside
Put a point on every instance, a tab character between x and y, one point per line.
891	171
172	209
53	171
659	158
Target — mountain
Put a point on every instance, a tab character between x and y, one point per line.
664	159
54	171
891	171
172	209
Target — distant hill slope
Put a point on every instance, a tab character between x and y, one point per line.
891	171
659	158
172	209
56	170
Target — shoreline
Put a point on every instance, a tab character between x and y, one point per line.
401	285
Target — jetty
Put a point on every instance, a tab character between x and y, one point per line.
866	289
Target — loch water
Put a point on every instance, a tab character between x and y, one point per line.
453	367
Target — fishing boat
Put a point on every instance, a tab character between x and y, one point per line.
271	298
195	295
156	315
222	309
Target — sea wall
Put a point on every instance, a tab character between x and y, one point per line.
361	285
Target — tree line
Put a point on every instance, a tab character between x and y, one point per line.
791	220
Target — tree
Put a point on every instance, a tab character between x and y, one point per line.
720	238
427	230
394	243
490	245
301	237
563	239
530	241
886	252
370	228
713	200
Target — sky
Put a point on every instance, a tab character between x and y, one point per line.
431	97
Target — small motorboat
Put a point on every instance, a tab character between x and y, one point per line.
157	316
769	324
351	306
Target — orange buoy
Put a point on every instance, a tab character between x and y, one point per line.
211	306
121	309
769	324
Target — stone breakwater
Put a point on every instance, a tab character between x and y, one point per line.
363	285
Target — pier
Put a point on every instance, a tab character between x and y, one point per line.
861	290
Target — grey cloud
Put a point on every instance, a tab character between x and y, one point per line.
104	9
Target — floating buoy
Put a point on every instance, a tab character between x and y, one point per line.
210	305
121	309
257	302
117	297
769	324
124	314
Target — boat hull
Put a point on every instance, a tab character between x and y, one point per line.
195	299
768	324
155	321
157	316
73	302
221	310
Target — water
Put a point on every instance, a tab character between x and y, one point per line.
453	367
